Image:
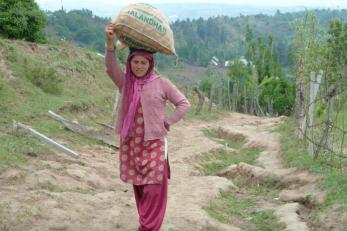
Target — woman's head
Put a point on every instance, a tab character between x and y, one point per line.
141	63
139	66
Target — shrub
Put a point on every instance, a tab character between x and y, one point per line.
22	19
43	77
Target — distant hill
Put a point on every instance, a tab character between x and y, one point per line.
208	10
183	11
196	40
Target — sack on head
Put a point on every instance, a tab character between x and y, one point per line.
142	26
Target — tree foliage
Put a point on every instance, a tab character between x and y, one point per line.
22	19
79	26
196	41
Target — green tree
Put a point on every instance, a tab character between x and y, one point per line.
22	19
277	95
239	74
307	43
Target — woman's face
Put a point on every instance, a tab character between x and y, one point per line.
139	66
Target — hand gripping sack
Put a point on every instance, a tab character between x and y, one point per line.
142	26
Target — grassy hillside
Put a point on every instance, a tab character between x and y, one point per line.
58	77
66	79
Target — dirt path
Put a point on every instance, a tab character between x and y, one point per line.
298	185
59	193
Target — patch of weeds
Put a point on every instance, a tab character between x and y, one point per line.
30	212
232	140
89	191
58	228
90	56
205	115
218	159
210	228
229	209
74	107
48	185
268	188
294	153
12	54
266	220
42	76
333	180
14	147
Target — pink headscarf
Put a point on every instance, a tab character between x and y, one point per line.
131	93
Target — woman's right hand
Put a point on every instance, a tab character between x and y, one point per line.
110	35
109	31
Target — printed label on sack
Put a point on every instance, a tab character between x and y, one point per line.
148	18
132	43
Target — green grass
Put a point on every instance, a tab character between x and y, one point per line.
48	185
333	180
337	137
52	187
266	220
211	228
15	149
229	209
44	77
205	115
265	188
83	92
218	159
220	136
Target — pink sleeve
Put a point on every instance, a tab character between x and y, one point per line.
178	99
113	69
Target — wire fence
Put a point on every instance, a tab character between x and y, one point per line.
323	119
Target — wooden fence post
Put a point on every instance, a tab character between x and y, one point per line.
211	98
315	81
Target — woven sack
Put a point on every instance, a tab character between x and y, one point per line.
144	27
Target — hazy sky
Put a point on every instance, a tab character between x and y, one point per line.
108	8
45	4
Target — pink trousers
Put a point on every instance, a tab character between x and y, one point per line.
151	200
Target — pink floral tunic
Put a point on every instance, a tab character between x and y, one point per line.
142	162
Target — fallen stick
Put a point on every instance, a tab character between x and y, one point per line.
105	135
44	138
104	125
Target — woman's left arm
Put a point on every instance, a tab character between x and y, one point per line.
176	97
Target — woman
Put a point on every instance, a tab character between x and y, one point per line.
142	126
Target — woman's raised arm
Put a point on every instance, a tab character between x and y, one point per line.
112	66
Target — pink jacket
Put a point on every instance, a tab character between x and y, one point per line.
153	99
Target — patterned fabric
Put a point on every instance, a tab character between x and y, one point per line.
151	201
141	162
